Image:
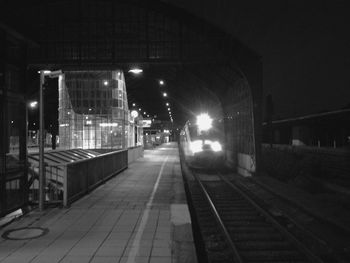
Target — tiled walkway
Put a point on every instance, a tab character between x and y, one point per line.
140	215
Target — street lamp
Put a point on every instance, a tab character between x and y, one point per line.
43	74
33	104
165	94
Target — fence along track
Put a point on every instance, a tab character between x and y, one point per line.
250	233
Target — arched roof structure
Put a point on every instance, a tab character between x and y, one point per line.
200	64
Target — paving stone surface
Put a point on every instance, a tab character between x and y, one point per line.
128	219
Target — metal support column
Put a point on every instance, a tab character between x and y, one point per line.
41	145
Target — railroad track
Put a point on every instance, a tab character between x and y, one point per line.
236	229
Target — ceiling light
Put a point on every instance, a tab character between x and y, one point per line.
135	70
167	104
105	83
134	104
165	94
161	82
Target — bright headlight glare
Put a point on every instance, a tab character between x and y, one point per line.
208	142
216	146
204	122
196	146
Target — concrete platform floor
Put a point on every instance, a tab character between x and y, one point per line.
141	215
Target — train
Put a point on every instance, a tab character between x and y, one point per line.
202	142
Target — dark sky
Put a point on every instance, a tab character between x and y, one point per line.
305	47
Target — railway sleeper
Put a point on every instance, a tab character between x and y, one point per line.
272	255
237	237
263	245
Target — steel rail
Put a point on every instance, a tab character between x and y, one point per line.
309	254
221	223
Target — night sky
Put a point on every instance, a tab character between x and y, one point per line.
305	46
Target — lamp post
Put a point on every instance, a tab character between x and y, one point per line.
43	74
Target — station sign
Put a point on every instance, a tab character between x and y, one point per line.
146	123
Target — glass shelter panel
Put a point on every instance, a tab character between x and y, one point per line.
92	110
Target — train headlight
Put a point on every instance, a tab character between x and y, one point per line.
196	146
204	122
216	146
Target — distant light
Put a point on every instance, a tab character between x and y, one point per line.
144	112
104	124
168	109
33	104
89	122
45	71
161	82
167	104
147	115
204	122
134	114
139	109
105	83
34	123
134	104
64	125
165	94
11	121
90	109
118	73
136	70
68	112
86	117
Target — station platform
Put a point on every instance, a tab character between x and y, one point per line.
140	215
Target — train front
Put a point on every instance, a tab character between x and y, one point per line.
203	142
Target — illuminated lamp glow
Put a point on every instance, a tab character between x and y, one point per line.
134	114
45	71
161	82
196	146
216	146
168	109
144	112
62	125
136	70
89	122
165	94
139	109
105	82
134	104
167	104
104	124
33	104
204	122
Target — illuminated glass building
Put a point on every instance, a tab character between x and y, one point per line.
93	110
